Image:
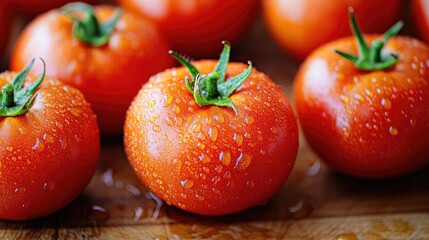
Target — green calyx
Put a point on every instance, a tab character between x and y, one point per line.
88	29
212	89
16	100
370	57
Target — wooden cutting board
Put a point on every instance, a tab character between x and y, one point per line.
315	203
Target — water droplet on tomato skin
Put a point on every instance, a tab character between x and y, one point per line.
48	186
386	103
213	133
393	131
250	184
199	197
225	158
38	146
99	213
187	184
412	122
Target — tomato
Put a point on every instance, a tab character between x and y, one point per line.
202	157
367	123
300	26
31	7
109	73
49	147
197	26
420	12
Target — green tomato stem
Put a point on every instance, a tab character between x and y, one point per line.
89	30
16	100
7	95
371	58
212	89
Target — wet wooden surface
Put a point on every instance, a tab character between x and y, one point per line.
315	203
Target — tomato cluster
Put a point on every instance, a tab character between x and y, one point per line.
211	137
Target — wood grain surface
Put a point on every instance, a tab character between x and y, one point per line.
315	203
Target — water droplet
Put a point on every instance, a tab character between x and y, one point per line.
107	178
197	127
176	109
133	190
38	146
242	162
152	103
152	119
238	139
412	122
169	121
138	213
204	158
63	143
369	93
213	133
275	130
10	148
250	183
247	135
218	169
301	209
227	175
1	143
48	138
314	169
178	121
201	145
75	111
225	158
168	100
249	120
358	97
187	184
99	213
216	179
182	195
346	236
386	103
156	128
158	201
48	186
344	98
220	118
393	131
199	197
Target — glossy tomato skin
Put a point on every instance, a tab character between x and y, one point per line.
110	75
300	26
366	124
420	12
196	27
207	160
49	154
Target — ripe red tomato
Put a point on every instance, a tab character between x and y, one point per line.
31	7
197	26
208	159
49	153
300	26
420	12
109	74
369	124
